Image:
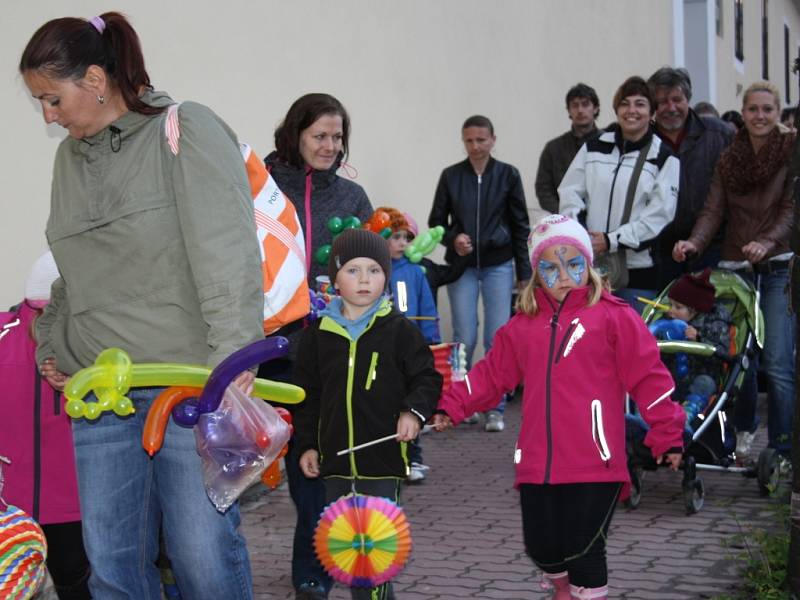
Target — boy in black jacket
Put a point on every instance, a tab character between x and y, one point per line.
368	373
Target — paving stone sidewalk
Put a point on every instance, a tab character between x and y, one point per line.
467	532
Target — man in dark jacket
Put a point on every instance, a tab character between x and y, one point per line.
698	143
583	106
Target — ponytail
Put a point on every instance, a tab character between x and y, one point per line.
65	48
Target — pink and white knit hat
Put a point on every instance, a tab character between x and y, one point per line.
558	229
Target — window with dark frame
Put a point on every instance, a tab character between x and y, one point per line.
787	62
764	40
738	29
718	16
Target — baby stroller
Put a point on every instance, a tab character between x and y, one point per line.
710	438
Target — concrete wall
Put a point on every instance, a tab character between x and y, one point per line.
409	73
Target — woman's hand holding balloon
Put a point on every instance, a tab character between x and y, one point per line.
244	381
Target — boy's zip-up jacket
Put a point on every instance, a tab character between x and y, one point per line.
577	362
356	390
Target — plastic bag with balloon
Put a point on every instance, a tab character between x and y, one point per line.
236	443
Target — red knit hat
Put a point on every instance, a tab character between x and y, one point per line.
695	291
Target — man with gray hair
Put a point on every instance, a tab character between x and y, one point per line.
698	143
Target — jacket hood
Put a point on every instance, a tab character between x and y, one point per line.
131	122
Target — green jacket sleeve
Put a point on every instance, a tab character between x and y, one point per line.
58	300
215	211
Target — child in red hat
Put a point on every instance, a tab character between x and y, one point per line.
692	299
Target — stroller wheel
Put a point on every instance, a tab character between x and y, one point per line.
636	488
693	495
767	471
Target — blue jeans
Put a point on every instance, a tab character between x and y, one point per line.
125	497
777	360
495	285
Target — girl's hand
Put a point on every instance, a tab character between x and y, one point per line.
674	460
754	252
244	381
682	249
408	427
54	377
441	422
309	463
691	333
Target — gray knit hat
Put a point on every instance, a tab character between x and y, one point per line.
358	243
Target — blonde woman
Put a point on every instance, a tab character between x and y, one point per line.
751	193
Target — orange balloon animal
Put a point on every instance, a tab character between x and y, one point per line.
158	415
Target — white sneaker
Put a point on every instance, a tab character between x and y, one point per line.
744	443
417	472
494	421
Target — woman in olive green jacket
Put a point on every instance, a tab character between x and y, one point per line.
156	258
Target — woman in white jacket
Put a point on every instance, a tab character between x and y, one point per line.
595	187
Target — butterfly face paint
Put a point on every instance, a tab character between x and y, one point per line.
548	271
576	267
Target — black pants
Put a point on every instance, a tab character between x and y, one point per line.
66	560
308	496
565	528
389	488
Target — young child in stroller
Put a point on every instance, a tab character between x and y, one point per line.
692	301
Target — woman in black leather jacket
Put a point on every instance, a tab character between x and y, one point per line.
481	205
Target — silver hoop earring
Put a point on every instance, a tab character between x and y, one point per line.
101	99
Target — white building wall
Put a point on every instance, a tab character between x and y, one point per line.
409	73
735	76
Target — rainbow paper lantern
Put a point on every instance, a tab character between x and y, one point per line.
23	551
363	541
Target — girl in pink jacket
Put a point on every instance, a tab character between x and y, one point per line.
578	350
